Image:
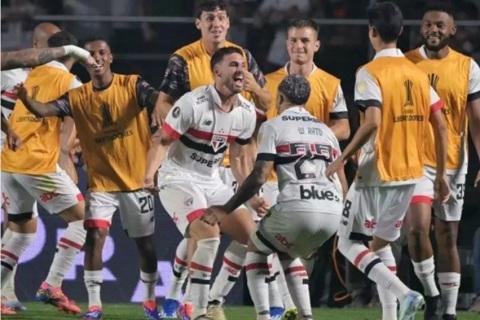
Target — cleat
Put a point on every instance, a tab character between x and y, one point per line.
15	305
215	310
151	310
410	305
291	314
6	311
169	309
449	317
93	313
55	297
276	313
185	311
432	308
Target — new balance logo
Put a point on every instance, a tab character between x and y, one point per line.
107	116
313	193
433	80
408	87
207	122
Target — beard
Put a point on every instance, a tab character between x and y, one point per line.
435	48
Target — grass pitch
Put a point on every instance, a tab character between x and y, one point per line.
40	311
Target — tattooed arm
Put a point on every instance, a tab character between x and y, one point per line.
30	58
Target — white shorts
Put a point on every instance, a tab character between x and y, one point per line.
54	191
136	210
298	234
226	174
452	209
185	201
375	211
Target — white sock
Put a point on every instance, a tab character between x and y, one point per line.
282	284
93	282
201	273
180	271
12	251
425	271
387	298
297	280
449	285
149	281
274	295
257	276
233	262
8	290
67	249
367	262
187	298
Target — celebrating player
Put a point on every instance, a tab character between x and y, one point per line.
397	101
31	174
114	134
198	131
462	98
309	205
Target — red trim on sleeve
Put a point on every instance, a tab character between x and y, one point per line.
95	223
170	131
436	106
79	197
421	199
195	215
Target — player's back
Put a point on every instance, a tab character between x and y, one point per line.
304	146
40	149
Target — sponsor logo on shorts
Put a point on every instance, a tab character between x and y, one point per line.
314	193
188	201
370	224
48	196
283	241
399	224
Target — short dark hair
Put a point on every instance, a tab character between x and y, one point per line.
62	38
300	23
210	5
221	53
90	40
295	88
387	18
441	6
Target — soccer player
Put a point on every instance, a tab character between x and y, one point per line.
309	205
198	131
31	174
188	69
397	101
326	103
113	129
462	101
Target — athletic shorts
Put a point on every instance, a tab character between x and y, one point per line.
185	201
56	192
452	209
228	179
136	210
298	234
270	191
375	211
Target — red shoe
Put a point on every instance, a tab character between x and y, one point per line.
55	297
5	310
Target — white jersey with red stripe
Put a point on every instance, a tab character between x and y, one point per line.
301	147
203	132
10	79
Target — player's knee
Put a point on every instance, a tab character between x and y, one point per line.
74	213
446	234
95	237
418	233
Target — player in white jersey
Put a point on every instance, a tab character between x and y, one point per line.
198	130
308	207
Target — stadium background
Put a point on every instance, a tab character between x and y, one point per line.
143	34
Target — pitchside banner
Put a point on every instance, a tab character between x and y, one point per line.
121	274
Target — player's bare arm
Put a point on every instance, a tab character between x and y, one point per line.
373	119
30	58
441	185
13	140
163	105
473	113
155	156
39	109
341	128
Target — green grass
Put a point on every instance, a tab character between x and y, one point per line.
39	311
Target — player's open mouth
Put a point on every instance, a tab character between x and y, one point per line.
433	37
238	80
98	67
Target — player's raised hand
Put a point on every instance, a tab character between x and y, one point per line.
250	84
260	205
213	215
149	185
20	91
333	168
441	188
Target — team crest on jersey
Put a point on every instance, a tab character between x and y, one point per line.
107	116
218	142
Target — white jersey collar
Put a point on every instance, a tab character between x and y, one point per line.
295	109
392	52
216	97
